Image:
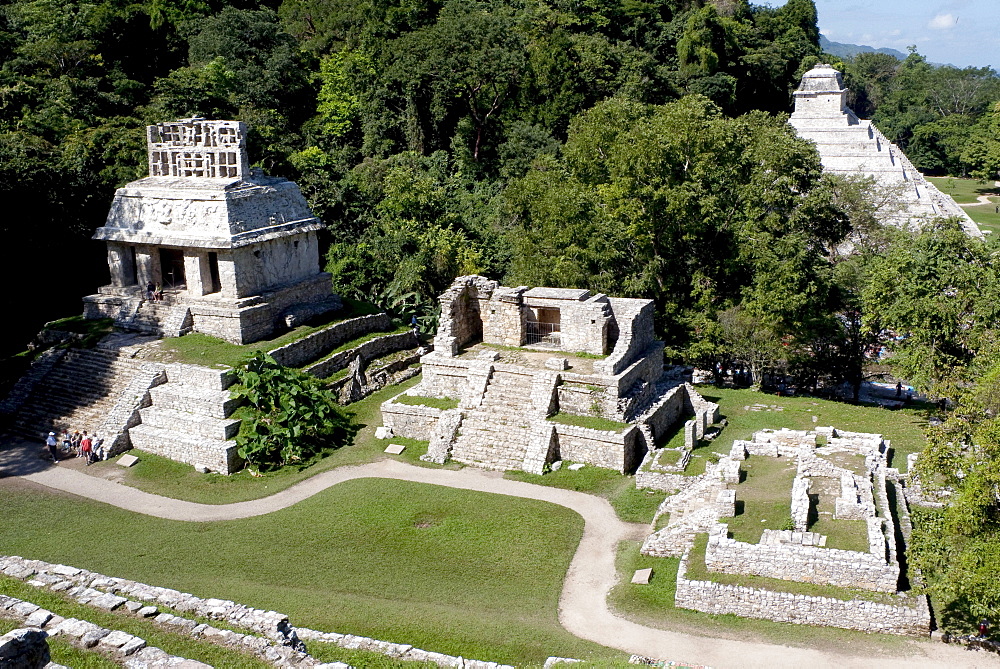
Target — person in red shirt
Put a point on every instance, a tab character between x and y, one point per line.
85	448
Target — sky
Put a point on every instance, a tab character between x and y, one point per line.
955	32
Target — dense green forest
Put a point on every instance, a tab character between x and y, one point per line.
635	148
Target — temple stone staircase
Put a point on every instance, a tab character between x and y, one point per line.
496	433
158	318
80	392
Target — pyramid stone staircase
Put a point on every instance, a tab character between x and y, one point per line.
95	390
161	318
501	424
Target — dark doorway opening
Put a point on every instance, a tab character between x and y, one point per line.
172	269
131	274
213	272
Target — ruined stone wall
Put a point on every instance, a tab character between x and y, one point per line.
369	350
408	420
855	614
443	377
318	344
462	320
586	399
583	326
611	450
505	318
256	318
669	409
807	564
635	334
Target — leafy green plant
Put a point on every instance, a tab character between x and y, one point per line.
292	417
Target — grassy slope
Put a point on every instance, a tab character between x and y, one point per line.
965	191
202	349
482	580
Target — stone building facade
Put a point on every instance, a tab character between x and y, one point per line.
236	252
851	146
514	357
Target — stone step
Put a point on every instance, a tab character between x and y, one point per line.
195	400
182	421
216	454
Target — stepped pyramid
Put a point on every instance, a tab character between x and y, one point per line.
851	146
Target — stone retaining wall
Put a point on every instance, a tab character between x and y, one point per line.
318	344
410	420
865	616
374	348
611	450
125	413
807	564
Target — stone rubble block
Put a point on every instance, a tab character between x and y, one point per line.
132	606
132	646
148	611
24	609
93	637
108	602
24	648
38	618
115	639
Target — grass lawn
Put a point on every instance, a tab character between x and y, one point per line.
161	476
201	349
454	571
592	422
631	505
966	191
653	605
903	427
848	535
765	496
154	634
433	402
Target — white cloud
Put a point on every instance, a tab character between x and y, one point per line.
943	22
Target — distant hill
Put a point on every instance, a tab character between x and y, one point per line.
851	50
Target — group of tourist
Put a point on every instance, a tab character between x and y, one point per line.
154	293
76	444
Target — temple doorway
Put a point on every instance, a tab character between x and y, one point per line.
172	269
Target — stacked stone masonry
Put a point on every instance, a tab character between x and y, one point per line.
187	419
501	419
279	642
855	614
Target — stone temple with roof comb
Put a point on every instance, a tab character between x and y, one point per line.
851	146
235	252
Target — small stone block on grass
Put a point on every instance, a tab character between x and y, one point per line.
383	432
127	460
576	467
394	449
642	576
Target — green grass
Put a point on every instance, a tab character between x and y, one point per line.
697	571
162	476
653	605
394	560
154	634
765	495
903	427
443	403
93	330
631	505
64	653
592	422
965	191
201	349
354	343
848	535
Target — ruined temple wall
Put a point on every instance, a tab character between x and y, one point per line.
443	376
634	319
319	343
865	616
411	421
